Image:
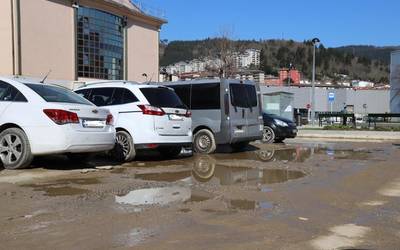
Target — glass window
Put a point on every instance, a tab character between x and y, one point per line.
84	93
183	91
206	96
102	96
10	94
243	95
57	94
129	97
251	95
100	44
162	97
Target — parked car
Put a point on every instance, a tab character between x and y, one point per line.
277	128
41	119
146	117
223	112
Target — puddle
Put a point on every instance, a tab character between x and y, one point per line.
298	154
165	176
160	196
249	205
225	175
62	187
60	191
234	175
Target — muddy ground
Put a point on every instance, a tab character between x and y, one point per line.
298	195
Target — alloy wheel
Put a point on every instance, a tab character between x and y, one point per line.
123	142
204	142
268	134
10	148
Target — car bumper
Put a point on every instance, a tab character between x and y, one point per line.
63	139
286	132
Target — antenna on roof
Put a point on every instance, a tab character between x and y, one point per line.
151	78
47	75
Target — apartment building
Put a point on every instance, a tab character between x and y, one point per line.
79	40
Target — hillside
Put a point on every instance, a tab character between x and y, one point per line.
359	62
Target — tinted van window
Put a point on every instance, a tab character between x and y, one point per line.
243	95
57	94
251	95
183	91
162	97
206	96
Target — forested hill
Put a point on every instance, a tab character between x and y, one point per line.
359	62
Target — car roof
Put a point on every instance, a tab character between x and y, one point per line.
115	83
205	81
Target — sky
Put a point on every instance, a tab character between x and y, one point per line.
335	22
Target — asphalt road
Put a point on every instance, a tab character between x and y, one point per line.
298	195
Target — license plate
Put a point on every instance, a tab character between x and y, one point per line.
93	124
174	117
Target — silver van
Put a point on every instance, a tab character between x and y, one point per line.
224	111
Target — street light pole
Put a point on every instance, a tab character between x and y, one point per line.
315	41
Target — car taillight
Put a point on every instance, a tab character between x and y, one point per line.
151	110
61	117
110	119
188	114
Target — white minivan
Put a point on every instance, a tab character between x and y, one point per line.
145	117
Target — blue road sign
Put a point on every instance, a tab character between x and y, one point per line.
331	96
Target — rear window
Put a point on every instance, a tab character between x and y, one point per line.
57	94
243	95
162	97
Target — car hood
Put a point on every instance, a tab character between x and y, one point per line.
271	116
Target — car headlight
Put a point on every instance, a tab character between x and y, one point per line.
280	123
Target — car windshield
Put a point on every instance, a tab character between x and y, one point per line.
57	94
162	97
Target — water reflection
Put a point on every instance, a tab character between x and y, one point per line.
205	169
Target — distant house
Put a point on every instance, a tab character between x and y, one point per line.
79	40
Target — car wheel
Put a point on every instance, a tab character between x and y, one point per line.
15	150
124	149
240	146
170	152
79	157
204	142
268	135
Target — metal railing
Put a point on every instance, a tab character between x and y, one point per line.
150	10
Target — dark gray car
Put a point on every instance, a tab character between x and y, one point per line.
223	112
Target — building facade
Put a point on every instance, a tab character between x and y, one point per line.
78	40
395	82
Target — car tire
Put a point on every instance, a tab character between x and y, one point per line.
239	146
268	135
79	157
204	142
15	149
170	152
124	149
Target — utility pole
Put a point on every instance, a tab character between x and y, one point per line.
315	41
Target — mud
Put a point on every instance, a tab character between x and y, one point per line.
298	195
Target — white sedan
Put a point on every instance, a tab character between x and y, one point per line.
41	119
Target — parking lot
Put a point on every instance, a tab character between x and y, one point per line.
298	195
